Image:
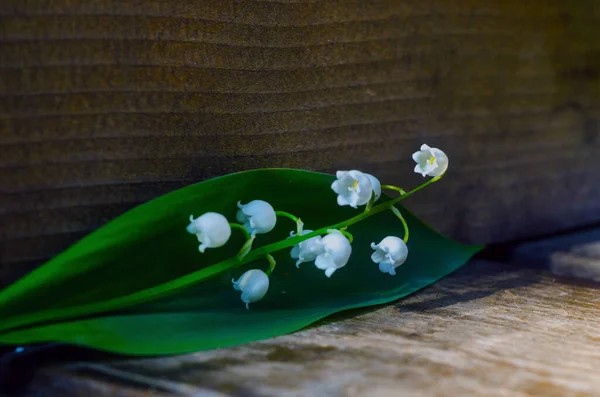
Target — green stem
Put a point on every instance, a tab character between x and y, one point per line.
347	234
196	277
299	223
395	188
396	212
287	215
246	248
370	203
241	228
247	244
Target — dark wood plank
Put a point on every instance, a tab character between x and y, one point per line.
104	105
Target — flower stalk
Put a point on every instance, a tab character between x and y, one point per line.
348	235
240	228
396	212
297	220
394	188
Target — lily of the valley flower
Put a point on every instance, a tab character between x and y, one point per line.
430	161
211	228
258	216
390	253
336	252
307	250
353	188
376	185
254	285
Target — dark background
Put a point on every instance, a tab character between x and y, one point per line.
107	104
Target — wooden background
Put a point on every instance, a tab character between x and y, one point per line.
107	104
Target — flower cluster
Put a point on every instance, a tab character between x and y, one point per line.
213	230
356	188
329	249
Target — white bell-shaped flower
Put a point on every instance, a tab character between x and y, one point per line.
254	285
258	216
353	188
307	250
430	161
211	228
336	253
390	253
376	185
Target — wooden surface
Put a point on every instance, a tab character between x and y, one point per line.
491	329
107	104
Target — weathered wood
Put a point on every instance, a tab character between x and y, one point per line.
573	255
488	330
104	105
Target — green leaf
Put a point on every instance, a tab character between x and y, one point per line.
148	246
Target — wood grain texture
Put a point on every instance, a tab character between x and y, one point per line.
104	105
488	330
572	255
